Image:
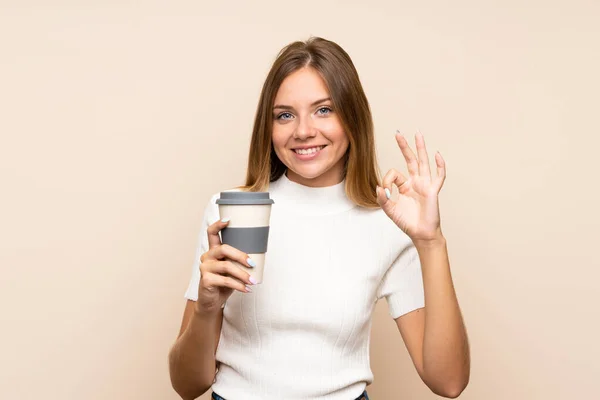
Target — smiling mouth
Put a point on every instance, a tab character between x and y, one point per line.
306	152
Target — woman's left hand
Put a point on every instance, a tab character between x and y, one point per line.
416	211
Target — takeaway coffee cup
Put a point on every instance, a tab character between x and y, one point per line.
248	229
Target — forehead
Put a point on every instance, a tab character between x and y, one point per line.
304	85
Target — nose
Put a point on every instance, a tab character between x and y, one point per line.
305	129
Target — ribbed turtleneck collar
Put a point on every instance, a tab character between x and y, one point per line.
308	200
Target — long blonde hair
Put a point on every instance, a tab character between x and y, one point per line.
349	100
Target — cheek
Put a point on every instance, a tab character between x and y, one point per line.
279	139
337	136
343	149
333	130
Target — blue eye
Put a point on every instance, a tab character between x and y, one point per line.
324	109
282	114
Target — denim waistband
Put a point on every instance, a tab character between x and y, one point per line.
363	396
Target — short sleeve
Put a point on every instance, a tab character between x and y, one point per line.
211	215
402	284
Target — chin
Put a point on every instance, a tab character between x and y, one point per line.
309	173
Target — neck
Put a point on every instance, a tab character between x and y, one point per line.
329	178
309	200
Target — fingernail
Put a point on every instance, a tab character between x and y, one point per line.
387	193
251	262
248	288
225	220
252	280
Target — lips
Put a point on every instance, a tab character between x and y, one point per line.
308	153
309	150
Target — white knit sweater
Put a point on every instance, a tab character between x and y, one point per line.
304	332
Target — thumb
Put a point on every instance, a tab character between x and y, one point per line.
381	197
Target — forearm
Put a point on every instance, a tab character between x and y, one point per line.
192	363
446	360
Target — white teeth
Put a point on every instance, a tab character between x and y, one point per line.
309	151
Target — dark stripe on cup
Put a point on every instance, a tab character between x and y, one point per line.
249	240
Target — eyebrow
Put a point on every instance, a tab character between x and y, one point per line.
284	107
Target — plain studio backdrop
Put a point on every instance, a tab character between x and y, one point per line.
119	119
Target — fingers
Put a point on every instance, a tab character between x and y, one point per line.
417	164
213	233
393	177
218	251
229	268
226	251
225	274
381	197
424	169
409	156
214	280
441	170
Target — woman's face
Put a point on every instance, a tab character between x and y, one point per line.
307	133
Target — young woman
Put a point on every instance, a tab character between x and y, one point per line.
338	242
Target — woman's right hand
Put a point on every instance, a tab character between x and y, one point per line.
219	276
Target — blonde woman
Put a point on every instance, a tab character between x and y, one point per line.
338	243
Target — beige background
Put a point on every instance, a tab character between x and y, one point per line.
119	119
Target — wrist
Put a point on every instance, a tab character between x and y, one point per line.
206	311
435	242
